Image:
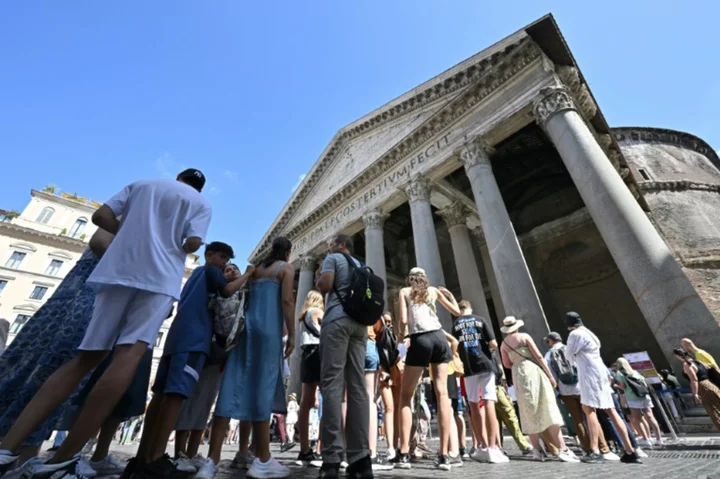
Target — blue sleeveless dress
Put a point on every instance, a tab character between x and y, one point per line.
46	342
252	387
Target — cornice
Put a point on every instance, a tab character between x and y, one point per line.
17	231
485	77
63	201
678	185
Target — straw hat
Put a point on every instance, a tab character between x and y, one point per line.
511	324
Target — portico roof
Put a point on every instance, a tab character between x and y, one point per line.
429	105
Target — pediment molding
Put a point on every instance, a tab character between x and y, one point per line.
483	77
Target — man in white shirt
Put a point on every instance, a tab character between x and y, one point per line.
137	280
569	392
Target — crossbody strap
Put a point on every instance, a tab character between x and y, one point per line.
532	360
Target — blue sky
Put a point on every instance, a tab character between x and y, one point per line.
94	95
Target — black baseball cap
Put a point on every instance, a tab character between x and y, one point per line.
193	177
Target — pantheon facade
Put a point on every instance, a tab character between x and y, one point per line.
503	180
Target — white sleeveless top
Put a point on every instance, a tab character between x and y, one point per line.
422	317
307	338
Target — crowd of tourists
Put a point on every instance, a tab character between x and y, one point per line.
82	364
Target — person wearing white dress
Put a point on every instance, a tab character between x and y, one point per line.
583	348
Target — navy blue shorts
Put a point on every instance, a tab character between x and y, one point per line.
179	373
457	405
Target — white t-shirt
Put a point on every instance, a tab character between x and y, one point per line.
147	253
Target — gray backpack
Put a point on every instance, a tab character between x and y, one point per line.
566	372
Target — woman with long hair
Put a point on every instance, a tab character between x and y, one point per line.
640	406
428	347
252	388
309	322
704	391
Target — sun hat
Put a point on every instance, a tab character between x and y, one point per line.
417	272
511	324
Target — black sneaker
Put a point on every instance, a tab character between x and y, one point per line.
443	463
455	461
593	458
287	446
362	469
329	471
308	458
163	468
134	465
630	459
381	464
464	454
401	461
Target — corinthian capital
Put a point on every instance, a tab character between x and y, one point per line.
308	263
479	236
551	100
476	152
454	215
418	189
374	219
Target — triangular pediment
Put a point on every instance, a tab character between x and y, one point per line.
357	155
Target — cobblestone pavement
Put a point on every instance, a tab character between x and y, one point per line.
692	458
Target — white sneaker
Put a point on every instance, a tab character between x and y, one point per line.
206	470
611	456
495	456
644	443
480	455
242	462
640	453
343	464
390	454
198	461
270	469
89	446
659	443
184	464
538	455
109	466
29	465
7	460
84	468
568	456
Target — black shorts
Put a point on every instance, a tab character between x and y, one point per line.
428	348
310	364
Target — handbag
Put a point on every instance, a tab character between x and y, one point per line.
229	319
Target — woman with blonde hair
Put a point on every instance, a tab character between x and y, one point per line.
637	394
309	321
428	347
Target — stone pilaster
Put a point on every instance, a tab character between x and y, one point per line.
427	252
513	278
471	286
375	244
666	297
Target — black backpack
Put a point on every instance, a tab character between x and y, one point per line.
364	299
566	372
638	386
387	344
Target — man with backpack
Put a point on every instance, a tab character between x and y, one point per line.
354	302
565	374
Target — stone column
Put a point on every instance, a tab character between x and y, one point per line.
471	286
427	252
666	297
487	266
508	263
375	245
306	282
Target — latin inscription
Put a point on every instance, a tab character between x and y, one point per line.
391	181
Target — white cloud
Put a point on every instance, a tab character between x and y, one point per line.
299	182
232	176
213	191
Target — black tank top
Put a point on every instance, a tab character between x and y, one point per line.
702	372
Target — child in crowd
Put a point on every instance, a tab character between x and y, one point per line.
186	351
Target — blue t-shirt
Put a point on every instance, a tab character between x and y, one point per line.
192	328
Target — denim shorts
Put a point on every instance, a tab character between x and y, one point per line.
372	356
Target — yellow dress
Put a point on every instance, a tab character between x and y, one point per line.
535	395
